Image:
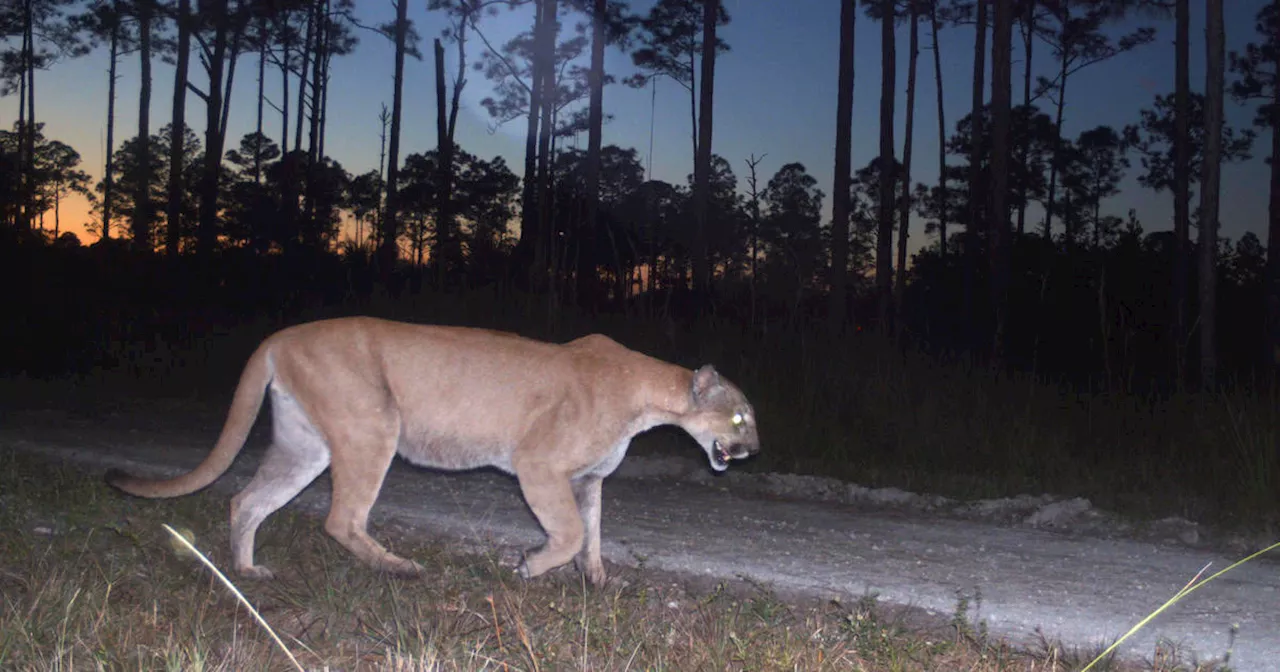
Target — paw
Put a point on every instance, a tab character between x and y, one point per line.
593	570
515	561
255	573
405	568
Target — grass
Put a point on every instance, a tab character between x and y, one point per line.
90	580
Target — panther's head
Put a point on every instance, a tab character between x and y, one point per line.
720	419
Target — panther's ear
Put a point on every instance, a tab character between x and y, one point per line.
706	381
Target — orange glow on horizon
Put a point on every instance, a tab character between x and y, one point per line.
74	215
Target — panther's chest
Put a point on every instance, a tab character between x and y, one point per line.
608	462
616	445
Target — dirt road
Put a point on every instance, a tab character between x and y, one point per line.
1077	588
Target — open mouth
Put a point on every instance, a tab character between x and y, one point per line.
719	454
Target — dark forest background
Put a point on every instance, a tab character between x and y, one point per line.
1080	353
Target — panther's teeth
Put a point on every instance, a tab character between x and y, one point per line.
721	455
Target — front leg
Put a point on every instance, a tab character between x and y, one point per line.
587	491
550	496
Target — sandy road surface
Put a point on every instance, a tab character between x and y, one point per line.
1081	590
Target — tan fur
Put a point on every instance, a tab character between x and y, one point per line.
349	394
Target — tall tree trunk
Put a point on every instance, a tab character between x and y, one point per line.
1001	104
286	230
57	216
233	56
1215	67
108	178
1097	212
843	170
318	46
546	262
1067	227
587	280
1273	230
975	224
530	248
308	45
32	127
384	119
390	250
142	181
693	97
262	73
442	255
885	210
904	208
754	194
284	94
942	133
261	96
1181	184
460	79
322	104
21	212
215	61
702	167
1024	150
177	130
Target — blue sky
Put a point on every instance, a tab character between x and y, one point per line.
775	96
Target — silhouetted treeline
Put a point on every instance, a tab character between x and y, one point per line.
1082	294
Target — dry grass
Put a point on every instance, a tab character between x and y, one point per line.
91	581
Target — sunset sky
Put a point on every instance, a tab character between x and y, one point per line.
775	96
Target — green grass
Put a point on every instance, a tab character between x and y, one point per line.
90	580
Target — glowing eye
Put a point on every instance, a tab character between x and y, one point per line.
737	419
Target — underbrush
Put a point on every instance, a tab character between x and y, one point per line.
858	408
90	581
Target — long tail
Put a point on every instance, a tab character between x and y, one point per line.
258	372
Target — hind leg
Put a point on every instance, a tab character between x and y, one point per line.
359	468
286	470
297	455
